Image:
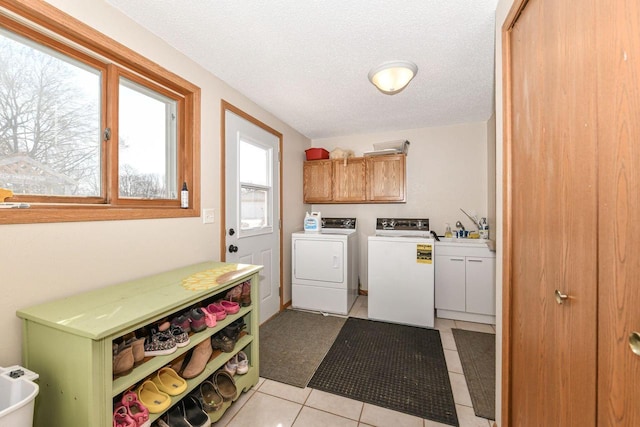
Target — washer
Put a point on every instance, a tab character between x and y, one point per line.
324	267
401	272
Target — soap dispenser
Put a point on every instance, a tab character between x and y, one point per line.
447	232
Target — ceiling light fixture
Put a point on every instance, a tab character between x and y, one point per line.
393	76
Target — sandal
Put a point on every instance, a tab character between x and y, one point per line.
230	307
136	410
155	400
122	419
211	399
169	382
216	309
225	385
193	412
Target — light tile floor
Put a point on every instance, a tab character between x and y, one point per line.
273	404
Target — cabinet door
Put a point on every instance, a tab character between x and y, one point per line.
317	181
450	282
349	180
480	290
386	178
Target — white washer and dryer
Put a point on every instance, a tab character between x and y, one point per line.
324	267
401	272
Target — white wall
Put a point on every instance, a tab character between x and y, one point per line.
41	262
501	13
446	171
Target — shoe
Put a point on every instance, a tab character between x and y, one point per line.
225	385
197	319
199	359
231	366
182	321
137	345
169	381
160	343
175	417
209	318
222	342
122	419
235	294
234	328
216	309
180	336
193	412
211	399
245	296
230	307
155	400
136	410
242	363
122	360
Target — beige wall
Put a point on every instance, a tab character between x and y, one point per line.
446	171
40	262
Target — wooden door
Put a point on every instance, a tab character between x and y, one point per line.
550	216
349	180
618	34
317	181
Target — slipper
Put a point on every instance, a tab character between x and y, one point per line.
135	409
230	307
155	400
216	309
169	382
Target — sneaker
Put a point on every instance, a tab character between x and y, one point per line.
182	321
159	343
234	328
231	366
180	336
242	363
209	318
222	342
197	319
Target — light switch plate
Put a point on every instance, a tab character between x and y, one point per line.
208	216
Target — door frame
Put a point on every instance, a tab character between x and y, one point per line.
224	107
507	208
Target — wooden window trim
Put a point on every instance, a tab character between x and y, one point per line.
62	29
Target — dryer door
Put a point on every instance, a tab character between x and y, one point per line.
319	260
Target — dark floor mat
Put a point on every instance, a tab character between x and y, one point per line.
394	366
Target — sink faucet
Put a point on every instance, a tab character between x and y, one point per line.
473	219
459	226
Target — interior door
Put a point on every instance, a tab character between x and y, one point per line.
551	243
618	32
252	203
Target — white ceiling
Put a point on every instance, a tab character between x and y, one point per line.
306	61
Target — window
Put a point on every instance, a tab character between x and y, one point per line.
90	130
256	189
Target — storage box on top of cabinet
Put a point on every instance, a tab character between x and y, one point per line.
69	341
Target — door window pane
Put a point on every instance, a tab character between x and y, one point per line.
254	208
147	155
255	168
255	163
50	135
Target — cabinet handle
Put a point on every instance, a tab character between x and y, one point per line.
475	260
634	342
456	259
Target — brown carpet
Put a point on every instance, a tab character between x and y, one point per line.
293	344
477	351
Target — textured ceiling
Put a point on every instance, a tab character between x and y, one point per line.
307	61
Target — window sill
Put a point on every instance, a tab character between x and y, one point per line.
79	213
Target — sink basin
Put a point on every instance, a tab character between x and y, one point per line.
465	241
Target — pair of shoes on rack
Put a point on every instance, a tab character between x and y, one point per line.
194	362
131	412
154	399
238	364
186	413
160	343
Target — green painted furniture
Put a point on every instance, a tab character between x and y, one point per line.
68	342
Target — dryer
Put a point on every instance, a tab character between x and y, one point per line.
324	267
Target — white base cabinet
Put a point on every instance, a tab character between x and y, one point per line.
465	282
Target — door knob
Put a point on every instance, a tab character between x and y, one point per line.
560	297
233	248
232	232
634	342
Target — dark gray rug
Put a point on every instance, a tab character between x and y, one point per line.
477	351
293	343
394	366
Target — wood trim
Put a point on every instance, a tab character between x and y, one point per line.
226	106
507	189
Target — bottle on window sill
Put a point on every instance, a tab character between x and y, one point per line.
184	196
